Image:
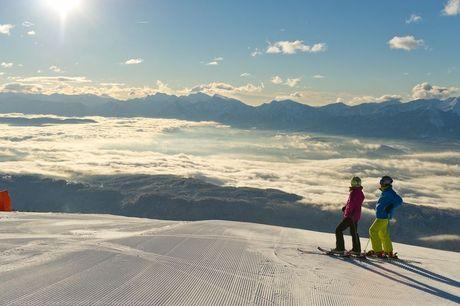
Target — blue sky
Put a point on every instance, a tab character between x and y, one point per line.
315	52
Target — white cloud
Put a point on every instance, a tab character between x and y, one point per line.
82	85
164	88
142	22
321	47
215	62
245	75
313	97
76	85
52	84
6	65
133	61
292	82
27	24
414	19
296	95
428	91
31	33
53	79
389	97
256	52
6	28
452	8
55	69
225	89
277	80
319	76
406	43
112	84
21	88
292	47
369	99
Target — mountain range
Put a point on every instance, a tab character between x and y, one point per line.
418	119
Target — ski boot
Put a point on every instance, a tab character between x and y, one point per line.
392	255
375	254
371	253
356	254
338	252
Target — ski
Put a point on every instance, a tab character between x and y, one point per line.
354	255
329	252
383	256
303	251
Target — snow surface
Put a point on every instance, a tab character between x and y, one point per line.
51	258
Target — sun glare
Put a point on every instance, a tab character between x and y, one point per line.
63	7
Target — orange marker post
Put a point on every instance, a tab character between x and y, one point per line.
5	201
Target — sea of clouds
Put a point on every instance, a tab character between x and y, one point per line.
317	167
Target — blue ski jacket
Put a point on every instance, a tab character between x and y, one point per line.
387	203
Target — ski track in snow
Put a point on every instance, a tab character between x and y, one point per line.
72	259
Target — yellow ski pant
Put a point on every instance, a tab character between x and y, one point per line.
380	236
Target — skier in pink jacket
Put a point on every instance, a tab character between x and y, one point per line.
351	216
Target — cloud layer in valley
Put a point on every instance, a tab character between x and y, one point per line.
317	168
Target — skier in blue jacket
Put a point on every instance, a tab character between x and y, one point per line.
378	232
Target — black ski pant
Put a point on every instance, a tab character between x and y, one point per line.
340	243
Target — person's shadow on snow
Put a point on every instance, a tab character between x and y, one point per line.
426	273
409	281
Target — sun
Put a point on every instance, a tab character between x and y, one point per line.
63	7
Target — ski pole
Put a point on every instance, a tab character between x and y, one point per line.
365	249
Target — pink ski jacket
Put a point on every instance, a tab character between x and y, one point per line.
354	203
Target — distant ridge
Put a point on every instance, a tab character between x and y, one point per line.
418	119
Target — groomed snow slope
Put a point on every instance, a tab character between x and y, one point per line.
75	259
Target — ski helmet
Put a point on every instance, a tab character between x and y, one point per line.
386	180
355	182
